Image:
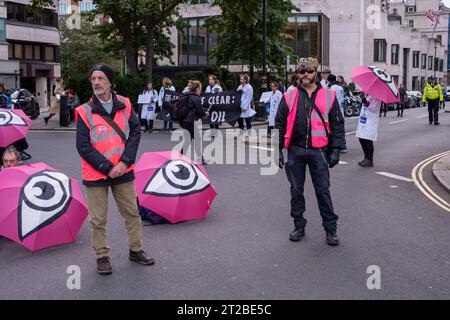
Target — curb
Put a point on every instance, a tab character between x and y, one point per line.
441	172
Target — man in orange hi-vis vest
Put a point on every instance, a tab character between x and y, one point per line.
311	128
108	135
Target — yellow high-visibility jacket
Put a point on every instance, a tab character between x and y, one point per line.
432	93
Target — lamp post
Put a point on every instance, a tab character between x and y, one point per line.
435	65
264	52
16	73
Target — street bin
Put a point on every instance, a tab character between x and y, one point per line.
63	112
261	114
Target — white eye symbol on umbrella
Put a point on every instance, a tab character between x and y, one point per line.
385	77
177	178
44	198
8	118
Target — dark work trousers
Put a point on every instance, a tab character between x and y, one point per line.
248	122
368	148
400	107
196	152
298	159
433	110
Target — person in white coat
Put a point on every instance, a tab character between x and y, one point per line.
274	102
213	87
148	109
367	130
246	102
167	85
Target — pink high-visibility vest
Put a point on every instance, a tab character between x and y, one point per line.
323	101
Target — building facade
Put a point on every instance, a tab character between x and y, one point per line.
396	36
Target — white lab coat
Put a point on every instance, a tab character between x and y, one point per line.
275	100
161	94
214	89
369	120
246	101
148	110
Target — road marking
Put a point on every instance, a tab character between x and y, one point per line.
398	121
352	118
349	133
394	176
422	116
417	175
343	162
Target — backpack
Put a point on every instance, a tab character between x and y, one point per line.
178	109
150	216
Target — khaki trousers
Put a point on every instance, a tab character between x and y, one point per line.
125	196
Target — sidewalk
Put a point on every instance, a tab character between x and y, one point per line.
441	171
53	124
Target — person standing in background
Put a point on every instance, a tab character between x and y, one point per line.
167	85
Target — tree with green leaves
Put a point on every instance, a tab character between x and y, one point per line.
240	32
135	26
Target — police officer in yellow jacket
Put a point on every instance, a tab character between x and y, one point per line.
433	94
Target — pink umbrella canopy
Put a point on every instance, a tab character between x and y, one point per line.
41	207
14	126
173	186
377	83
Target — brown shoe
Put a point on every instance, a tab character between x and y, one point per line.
141	257
104	266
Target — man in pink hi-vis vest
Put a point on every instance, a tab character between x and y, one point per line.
311	127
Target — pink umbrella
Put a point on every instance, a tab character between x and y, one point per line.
173	186
41	207
14	126
377	83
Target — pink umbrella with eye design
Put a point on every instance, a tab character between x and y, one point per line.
14	126
173	186
377	83
40	206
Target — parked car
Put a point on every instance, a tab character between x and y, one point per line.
414	99
447	94
24	99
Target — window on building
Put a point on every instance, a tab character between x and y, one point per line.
10	51
416	55
423	63
380	50
37	52
411	23
28	52
430	63
441	65
18	51
49	53
410	8
2	30
395	48
19	12
439	39
395	79
415	83
436	64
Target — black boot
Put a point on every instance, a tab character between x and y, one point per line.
297	234
332	239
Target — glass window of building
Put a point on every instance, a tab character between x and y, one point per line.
395	48
195	43
424	61
430	63
309	36
37	52
49	53
416	55
18	51
10	51
2	30
28	52
380	50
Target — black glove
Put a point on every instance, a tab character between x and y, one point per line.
333	158
281	160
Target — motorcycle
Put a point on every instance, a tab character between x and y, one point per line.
353	105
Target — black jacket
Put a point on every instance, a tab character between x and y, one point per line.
301	134
95	158
195	107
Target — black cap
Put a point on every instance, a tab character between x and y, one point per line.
106	69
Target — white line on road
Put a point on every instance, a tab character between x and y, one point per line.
395	176
422	116
349	133
343	162
398	121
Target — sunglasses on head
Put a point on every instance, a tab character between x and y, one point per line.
308	71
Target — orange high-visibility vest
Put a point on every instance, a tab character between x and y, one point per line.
104	138
323	101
